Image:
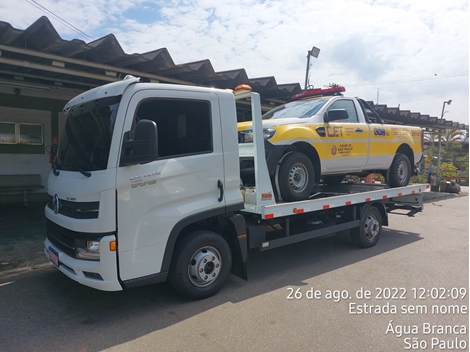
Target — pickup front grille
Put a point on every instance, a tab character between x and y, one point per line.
76	210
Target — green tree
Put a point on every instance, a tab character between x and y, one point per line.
461	162
448	170
450	144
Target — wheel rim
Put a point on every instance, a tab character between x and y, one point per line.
402	172
204	266
371	227
298	178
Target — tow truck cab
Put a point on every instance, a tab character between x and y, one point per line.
137	163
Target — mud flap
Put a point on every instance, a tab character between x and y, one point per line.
240	247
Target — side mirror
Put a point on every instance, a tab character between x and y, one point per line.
336	114
143	148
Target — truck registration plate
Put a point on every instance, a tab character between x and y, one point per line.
54	256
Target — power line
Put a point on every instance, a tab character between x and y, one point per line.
71	26
408	80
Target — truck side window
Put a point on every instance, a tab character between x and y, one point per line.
184	126
348	105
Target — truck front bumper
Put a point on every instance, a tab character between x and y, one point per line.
101	274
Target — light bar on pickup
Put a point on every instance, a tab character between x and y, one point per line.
318	92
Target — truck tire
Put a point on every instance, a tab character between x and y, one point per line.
201	264
296	177
368	234
333	180
400	171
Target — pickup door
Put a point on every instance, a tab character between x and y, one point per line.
346	142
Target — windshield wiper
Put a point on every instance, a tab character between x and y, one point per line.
83	172
55	163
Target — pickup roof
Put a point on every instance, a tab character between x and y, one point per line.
328	137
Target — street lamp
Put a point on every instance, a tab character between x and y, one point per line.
314	52
439	141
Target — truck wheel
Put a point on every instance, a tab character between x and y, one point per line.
332	180
201	264
296	177
368	234
400	171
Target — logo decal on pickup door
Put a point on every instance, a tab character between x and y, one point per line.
379	132
345	149
334	131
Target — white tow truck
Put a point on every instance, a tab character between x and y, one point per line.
146	188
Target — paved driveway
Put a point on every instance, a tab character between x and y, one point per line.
415	258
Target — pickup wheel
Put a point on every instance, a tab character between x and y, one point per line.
296	177
400	171
332	180
368	234
201	264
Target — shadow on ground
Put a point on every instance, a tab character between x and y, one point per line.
429	197
22	233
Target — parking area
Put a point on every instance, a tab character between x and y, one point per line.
321	295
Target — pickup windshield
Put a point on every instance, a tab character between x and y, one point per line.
298	109
86	138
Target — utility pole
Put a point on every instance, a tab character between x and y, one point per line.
314	52
439	141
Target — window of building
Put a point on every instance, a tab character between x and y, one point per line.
21	133
184	126
30	134
7	133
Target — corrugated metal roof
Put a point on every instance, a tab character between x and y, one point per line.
42	36
40	55
395	115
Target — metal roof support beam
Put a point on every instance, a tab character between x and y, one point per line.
89	64
51	79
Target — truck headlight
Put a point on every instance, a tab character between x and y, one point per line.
88	250
247	135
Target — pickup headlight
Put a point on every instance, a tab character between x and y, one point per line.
88	250
247	135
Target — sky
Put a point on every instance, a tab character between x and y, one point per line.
408	53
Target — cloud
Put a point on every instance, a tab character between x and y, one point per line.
361	41
353	55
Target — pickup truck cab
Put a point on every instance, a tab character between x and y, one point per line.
328	137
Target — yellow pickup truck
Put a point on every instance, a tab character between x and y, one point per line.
328	137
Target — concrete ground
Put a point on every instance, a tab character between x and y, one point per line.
22	233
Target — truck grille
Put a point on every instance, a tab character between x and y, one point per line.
76	210
62	238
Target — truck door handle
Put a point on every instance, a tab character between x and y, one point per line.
220	185
358	130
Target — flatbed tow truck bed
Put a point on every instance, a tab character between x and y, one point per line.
333	209
328	197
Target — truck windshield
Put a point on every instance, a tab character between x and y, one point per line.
298	109
86	137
